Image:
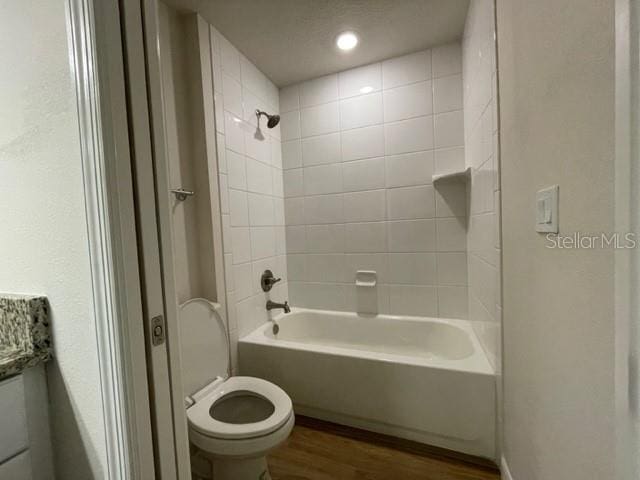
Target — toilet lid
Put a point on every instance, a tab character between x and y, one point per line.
204	342
201	414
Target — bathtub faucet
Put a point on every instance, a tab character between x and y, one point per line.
285	306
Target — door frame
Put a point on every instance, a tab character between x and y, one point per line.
140	27
96	60
627	219
145	421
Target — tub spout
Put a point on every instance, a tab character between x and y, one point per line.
285	306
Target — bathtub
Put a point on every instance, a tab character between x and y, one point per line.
422	379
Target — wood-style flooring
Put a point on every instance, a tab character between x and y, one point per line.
319	450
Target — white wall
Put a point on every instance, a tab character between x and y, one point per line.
556	71
481	154
250	176
43	238
359	150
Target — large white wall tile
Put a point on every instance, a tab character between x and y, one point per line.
261	210
230	58
447	93
452	302
361	111
411	202
296	267
293	183
326	268
325	238
358	81
325	296
449	129
290	125
281	240
364	142
259	177
407	69
241	244
263	242
413	300
289	98
319	90
321	149
452	235
242	280
446	59
412	236
366	237
234	134
408	101
449	160
251	185
294	211
291	154
366	174
258	148
238	208
296	237
237	168
409	135
232	95
413	268
278	179
409	169
252	78
323	179
364	206
321	209
320	119
452	268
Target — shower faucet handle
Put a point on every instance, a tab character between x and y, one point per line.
267	280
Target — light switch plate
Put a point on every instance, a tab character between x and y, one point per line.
547	210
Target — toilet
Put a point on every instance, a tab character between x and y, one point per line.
233	421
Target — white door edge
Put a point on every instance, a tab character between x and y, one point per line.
95	47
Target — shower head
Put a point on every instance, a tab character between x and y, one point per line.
272	120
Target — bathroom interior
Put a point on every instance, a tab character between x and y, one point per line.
331	188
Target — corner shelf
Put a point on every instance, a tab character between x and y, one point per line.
457	176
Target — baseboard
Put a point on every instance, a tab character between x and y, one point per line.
398	443
504	469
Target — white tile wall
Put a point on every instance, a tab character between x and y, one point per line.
359	152
364	142
251	184
481	154
359	81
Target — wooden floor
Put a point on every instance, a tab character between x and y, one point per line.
322	451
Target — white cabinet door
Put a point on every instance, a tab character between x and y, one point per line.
13	421
18	468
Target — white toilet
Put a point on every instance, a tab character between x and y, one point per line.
234	421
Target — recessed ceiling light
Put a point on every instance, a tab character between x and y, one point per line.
347	41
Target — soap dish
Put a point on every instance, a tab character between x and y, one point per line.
366	278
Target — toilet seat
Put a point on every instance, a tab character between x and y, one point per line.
200	418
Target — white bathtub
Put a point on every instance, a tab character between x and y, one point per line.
423	379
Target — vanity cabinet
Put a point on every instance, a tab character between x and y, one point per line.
25	447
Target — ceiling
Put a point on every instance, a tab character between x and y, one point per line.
294	40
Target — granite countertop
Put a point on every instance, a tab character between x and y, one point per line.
25	339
